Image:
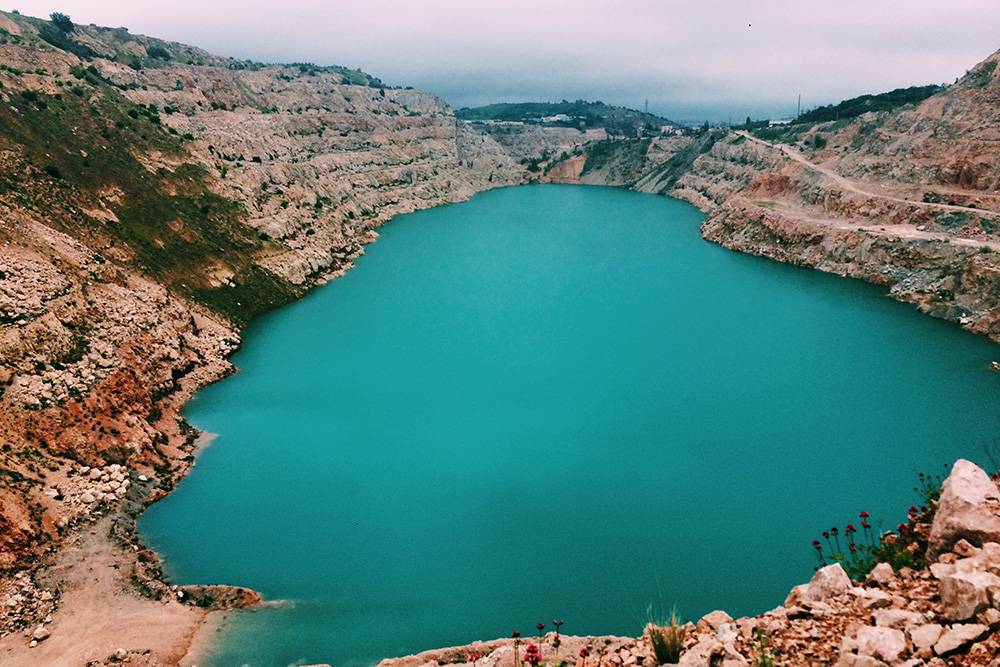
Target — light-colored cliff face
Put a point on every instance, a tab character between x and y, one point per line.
526	142
318	163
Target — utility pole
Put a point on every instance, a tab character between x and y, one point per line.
647	106
798	109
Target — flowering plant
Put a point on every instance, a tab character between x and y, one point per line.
903	547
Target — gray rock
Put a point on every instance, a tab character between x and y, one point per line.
925	636
875	599
852	660
990	617
828	582
881	575
897	618
958	637
886	644
969	509
714	620
965	594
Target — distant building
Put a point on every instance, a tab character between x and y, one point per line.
557	118
779	121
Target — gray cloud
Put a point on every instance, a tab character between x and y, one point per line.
691	59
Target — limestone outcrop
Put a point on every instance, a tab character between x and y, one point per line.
969	510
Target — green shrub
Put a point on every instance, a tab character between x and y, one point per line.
904	547
858	105
158	52
62	21
61	40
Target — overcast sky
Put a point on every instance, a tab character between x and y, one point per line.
692	59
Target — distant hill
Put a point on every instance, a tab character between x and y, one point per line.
579	114
863	104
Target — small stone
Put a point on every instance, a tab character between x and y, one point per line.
713	621
881	575
142	478
726	633
121	653
990	617
875	599
41	633
964	549
965	594
926	635
941	569
958	637
897	618
746	627
87	497
828	582
883	643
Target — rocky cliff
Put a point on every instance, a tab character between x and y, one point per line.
153	198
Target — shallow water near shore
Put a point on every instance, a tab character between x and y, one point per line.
555	402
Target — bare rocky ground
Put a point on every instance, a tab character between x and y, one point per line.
153	197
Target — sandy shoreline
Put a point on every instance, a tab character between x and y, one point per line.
101	617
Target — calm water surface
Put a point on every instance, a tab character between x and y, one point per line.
555	401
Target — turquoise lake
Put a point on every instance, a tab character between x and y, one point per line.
555	402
